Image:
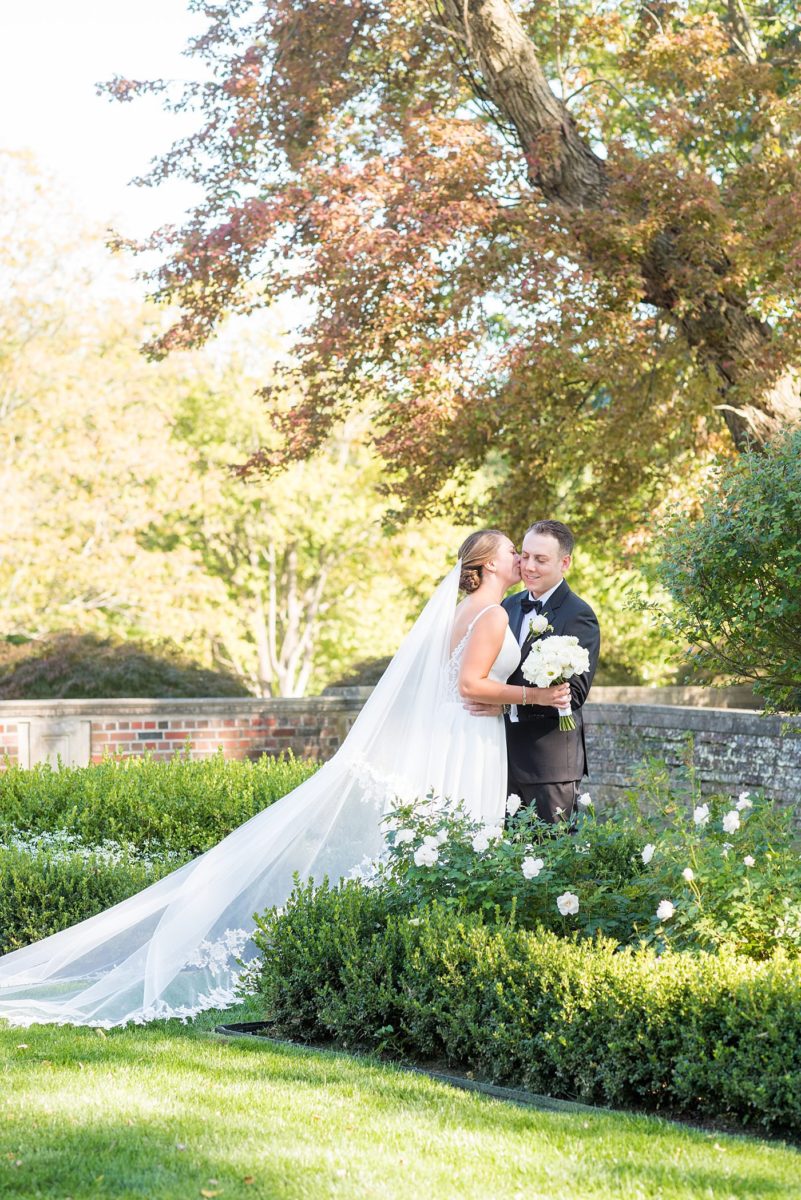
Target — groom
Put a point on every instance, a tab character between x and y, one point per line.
546	764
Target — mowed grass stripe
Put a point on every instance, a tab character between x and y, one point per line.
168	1113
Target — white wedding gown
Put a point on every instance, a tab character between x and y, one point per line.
467	769
177	948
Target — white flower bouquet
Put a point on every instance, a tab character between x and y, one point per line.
554	660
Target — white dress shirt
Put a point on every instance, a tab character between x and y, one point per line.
543	599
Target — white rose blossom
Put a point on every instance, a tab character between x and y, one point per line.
481	841
731	821
701	814
442	836
688	874
513	803
585	800
749	860
538	624
426	856
568	904
744	801
531	867
403	836
648	853
665	910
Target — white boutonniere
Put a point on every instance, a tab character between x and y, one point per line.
538	625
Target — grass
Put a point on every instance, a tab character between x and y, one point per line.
171	1112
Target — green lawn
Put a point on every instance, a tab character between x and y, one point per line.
168	1112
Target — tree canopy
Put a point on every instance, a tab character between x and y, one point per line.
562	238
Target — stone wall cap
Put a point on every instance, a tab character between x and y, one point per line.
181	706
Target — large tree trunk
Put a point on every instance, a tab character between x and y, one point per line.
718	326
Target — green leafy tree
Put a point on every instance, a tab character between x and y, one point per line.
309	575
127	521
734	573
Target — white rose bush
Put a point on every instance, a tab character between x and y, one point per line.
707	874
553	660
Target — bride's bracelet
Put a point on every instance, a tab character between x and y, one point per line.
524	693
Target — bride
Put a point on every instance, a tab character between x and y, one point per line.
177	948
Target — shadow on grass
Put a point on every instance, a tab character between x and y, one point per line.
91	1115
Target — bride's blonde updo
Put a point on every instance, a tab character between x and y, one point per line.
474	552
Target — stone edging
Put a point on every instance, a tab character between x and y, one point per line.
493	1090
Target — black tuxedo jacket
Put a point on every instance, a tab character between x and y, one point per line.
538	751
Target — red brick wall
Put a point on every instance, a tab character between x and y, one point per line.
239	737
313	727
9	746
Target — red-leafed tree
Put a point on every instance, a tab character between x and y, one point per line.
558	238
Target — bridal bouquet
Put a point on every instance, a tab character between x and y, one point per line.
553	660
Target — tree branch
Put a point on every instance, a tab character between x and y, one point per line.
742	35
559	162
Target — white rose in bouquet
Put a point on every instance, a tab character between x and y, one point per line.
513	803
555	660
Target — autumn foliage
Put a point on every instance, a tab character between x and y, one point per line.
560	240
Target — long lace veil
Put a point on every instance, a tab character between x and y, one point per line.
172	950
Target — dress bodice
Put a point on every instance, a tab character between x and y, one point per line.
507	660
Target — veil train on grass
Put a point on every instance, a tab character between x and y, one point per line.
172	950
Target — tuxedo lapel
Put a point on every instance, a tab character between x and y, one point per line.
516	618
555	602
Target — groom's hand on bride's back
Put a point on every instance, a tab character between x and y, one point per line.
483	710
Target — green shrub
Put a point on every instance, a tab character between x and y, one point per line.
709	1034
84	666
45	890
179	806
734	574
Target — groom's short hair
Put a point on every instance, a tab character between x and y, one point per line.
555	529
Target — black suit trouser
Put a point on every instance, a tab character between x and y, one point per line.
554	802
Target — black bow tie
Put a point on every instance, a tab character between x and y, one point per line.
528	605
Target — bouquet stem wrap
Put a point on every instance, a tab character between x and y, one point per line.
566	720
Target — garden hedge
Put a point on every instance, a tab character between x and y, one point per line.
681	1033
44	891
180	806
